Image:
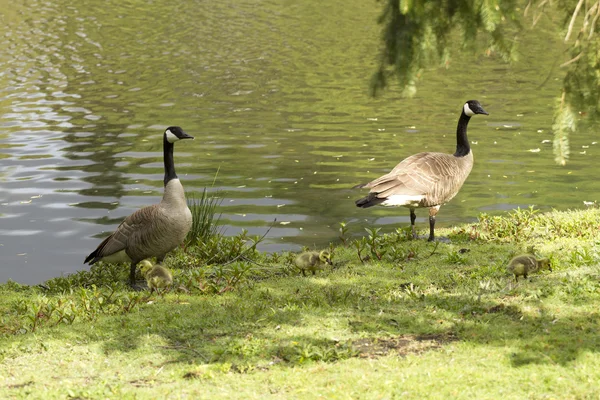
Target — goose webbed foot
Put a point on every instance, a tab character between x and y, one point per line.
138	286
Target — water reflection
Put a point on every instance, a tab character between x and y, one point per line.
276	96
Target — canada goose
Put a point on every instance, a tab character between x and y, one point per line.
157	276
426	179
155	230
312	261
526	264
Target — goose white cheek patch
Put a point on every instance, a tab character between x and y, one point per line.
171	138
468	110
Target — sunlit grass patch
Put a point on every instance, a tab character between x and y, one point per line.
403	316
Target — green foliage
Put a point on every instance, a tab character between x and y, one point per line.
516	225
28	314
219	249
417	34
523	225
100	274
204	218
565	122
277	329
300	354
344	233
375	243
454	257
214	279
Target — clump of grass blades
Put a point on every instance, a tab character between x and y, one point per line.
204	218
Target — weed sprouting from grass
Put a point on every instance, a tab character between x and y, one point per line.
455	257
583	256
100	275
515	225
360	245
375	243
27	315
302	353
204	218
216	279
344	233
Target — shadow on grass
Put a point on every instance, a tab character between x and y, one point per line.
337	315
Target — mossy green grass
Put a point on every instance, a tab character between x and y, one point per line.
404	318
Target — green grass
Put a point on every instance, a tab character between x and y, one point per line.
408	319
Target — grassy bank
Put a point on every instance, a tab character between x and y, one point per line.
393	318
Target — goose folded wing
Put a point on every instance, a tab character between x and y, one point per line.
132	227
417	175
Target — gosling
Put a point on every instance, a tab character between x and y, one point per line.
525	264
312	261
157	276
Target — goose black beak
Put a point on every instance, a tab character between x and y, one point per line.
186	136
482	111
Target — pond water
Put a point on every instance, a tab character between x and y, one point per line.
276	94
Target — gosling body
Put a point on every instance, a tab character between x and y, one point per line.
526	264
312	261
158	277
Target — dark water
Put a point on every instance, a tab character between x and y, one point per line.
276	94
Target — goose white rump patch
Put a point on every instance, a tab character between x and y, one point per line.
118	257
402	200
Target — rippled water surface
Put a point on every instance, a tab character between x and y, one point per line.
276	94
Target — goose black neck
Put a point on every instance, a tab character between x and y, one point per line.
462	142
168	158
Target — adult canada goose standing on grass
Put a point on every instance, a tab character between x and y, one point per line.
155	230
426	179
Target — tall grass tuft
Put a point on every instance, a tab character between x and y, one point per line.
204	217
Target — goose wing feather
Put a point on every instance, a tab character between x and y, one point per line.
422	174
136	228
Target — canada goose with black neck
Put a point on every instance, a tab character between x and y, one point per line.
155	230
426	179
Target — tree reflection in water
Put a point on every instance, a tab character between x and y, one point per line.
417	35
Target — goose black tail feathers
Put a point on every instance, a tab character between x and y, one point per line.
95	255
369	201
91	258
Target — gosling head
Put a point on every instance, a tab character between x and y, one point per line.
175	133
145	266
473	107
325	257
544	263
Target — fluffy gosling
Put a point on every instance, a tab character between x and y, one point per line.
157	276
312	261
525	264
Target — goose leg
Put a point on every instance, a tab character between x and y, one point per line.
432	213
132	273
413	217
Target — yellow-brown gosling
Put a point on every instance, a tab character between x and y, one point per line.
525	264
157	276
312	261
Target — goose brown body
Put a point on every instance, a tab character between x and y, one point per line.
428	179
152	231
155	230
